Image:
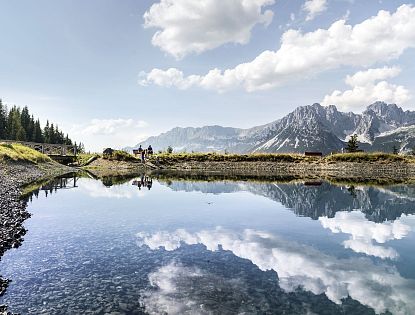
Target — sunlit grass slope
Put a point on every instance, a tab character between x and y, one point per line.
18	152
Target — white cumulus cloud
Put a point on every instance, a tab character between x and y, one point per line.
380	38
106	126
98	134
367	87
188	26
314	8
371	75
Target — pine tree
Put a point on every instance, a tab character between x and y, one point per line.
31	129
352	145
37	134
15	130
25	121
67	140
46	132
80	148
59	137
3	120
52	135
20	134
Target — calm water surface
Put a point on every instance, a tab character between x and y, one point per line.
217	247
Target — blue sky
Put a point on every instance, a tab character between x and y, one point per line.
100	68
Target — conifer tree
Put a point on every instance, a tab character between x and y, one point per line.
30	130
25	120
15	130
51	134
37	134
46	132
3	120
352	145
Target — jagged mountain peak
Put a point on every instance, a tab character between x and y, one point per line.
388	112
381	108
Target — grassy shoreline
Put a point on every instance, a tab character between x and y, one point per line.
361	166
359	157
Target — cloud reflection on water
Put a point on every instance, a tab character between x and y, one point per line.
363	233
378	286
166	299
96	189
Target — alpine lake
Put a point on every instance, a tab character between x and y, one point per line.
200	244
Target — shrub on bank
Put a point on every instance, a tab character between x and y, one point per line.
366	157
19	152
118	155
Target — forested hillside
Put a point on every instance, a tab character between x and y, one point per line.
19	124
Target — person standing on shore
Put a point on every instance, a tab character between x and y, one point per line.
143	155
150	150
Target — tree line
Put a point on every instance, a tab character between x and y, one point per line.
19	124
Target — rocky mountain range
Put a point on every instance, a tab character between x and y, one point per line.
308	128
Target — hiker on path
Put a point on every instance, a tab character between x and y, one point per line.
143	156
150	150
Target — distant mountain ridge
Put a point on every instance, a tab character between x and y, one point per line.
307	128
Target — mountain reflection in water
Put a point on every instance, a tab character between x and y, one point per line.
378	204
152	244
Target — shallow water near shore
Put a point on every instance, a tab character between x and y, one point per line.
176	246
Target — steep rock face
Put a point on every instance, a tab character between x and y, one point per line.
341	124
402	138
381	117
307	128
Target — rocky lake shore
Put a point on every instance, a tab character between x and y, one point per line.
14	175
